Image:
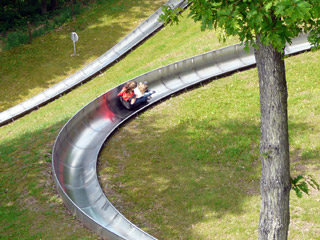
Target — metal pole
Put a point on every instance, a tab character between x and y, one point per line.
74	38
74	49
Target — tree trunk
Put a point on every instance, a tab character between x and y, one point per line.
29	31
72	9
274	144
44	6
54	4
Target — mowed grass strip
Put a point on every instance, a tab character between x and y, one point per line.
29	205
189	168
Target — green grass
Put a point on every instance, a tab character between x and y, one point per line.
30	207
189	168
213	146
29	69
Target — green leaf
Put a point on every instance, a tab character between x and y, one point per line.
300	184
296	179
298	192
303	187
268	5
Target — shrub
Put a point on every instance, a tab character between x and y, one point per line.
15	39
20	36
39	32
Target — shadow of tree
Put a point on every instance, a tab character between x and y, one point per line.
303	158
169	179
30	207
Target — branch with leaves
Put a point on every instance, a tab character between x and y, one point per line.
275	21
300	184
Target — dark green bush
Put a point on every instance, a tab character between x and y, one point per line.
15	39
16	17
39	32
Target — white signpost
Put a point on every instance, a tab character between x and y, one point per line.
74	38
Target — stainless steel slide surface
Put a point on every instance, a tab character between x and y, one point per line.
78	144
139	34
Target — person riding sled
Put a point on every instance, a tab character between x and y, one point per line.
132	96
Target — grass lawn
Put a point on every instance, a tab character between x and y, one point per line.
29	69
213	183
29	205
189	169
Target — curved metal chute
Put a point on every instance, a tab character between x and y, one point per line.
78	144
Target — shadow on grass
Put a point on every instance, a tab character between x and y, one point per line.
301	158
29	205
165	179
30	69
170	179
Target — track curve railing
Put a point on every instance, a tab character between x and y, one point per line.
78	144
144	30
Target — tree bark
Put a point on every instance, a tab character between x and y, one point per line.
54	4
274	144
29	31
44	6
72	9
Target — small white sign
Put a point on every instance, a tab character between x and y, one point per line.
74	37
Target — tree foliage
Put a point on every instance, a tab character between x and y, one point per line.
275	21
15	14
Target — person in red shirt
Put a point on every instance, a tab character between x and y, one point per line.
127	92
129	99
